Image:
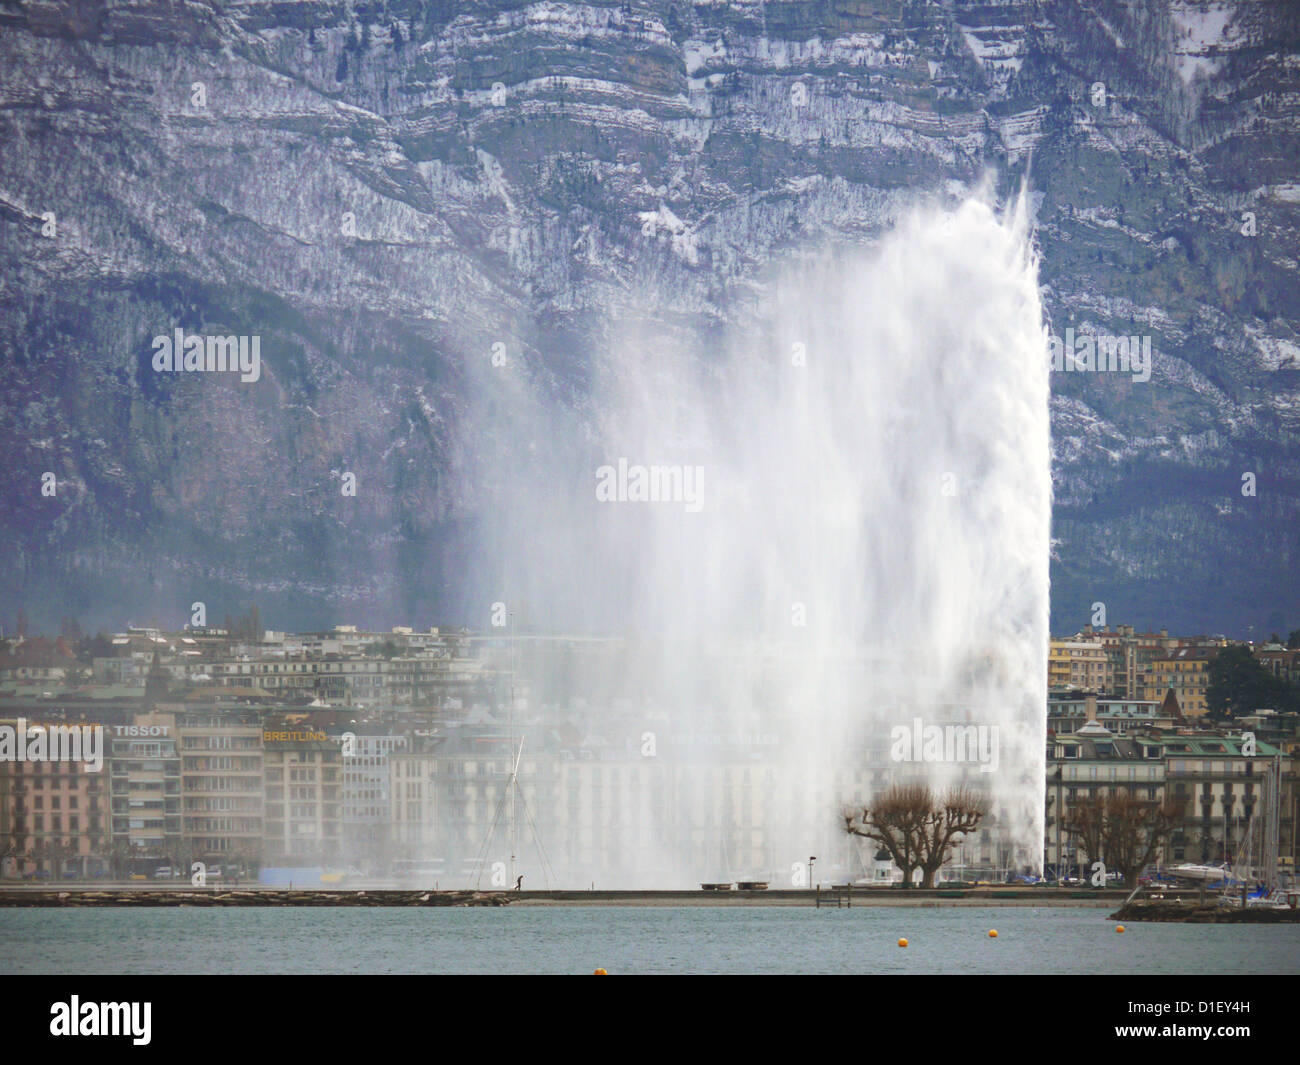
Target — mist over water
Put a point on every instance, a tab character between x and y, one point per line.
855	536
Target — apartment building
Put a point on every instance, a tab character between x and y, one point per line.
1094	763
1068	711
54	816
1137	663
417	830
453	809
144	772
222	796
304	796
1282	662
1215	781
614	818
1185	672
1219	785
432	680
1131	655
1080	662
366	783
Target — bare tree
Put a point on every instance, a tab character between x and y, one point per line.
894	822
120	859
958	813
917	827
1123	831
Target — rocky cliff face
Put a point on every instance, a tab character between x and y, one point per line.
390	194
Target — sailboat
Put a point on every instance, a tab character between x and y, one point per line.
1205	874
1270	894
512	799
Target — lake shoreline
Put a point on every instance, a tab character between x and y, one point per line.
272	896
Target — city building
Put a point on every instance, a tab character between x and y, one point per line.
54	814
1080	662
304	796
222	784
1068	711
144	773
1185	672
366	801
1219	785
1089	764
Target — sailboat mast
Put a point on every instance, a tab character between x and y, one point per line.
1274	818
514	768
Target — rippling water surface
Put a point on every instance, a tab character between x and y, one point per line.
628	939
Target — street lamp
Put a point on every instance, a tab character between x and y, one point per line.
811	859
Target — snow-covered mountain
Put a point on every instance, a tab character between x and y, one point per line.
392	194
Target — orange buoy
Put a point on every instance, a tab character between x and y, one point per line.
1119	928
993	933
902	942
600	972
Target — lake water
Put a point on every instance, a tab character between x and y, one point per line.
629	939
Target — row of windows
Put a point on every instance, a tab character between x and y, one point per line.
50	769
1181	765
218	764
56	823
245	825
1095	772
203	785
215	805
38	801
302	792
221	743
301	828
141	754
1207	788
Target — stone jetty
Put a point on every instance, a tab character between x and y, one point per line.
262	897
1190	913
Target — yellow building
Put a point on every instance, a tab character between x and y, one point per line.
1185	672
1080	662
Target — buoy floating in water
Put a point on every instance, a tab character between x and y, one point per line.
1119	928
993	933
600	972
902	942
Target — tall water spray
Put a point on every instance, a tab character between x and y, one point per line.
806	536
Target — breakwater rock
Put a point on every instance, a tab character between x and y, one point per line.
252	897
1193	914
